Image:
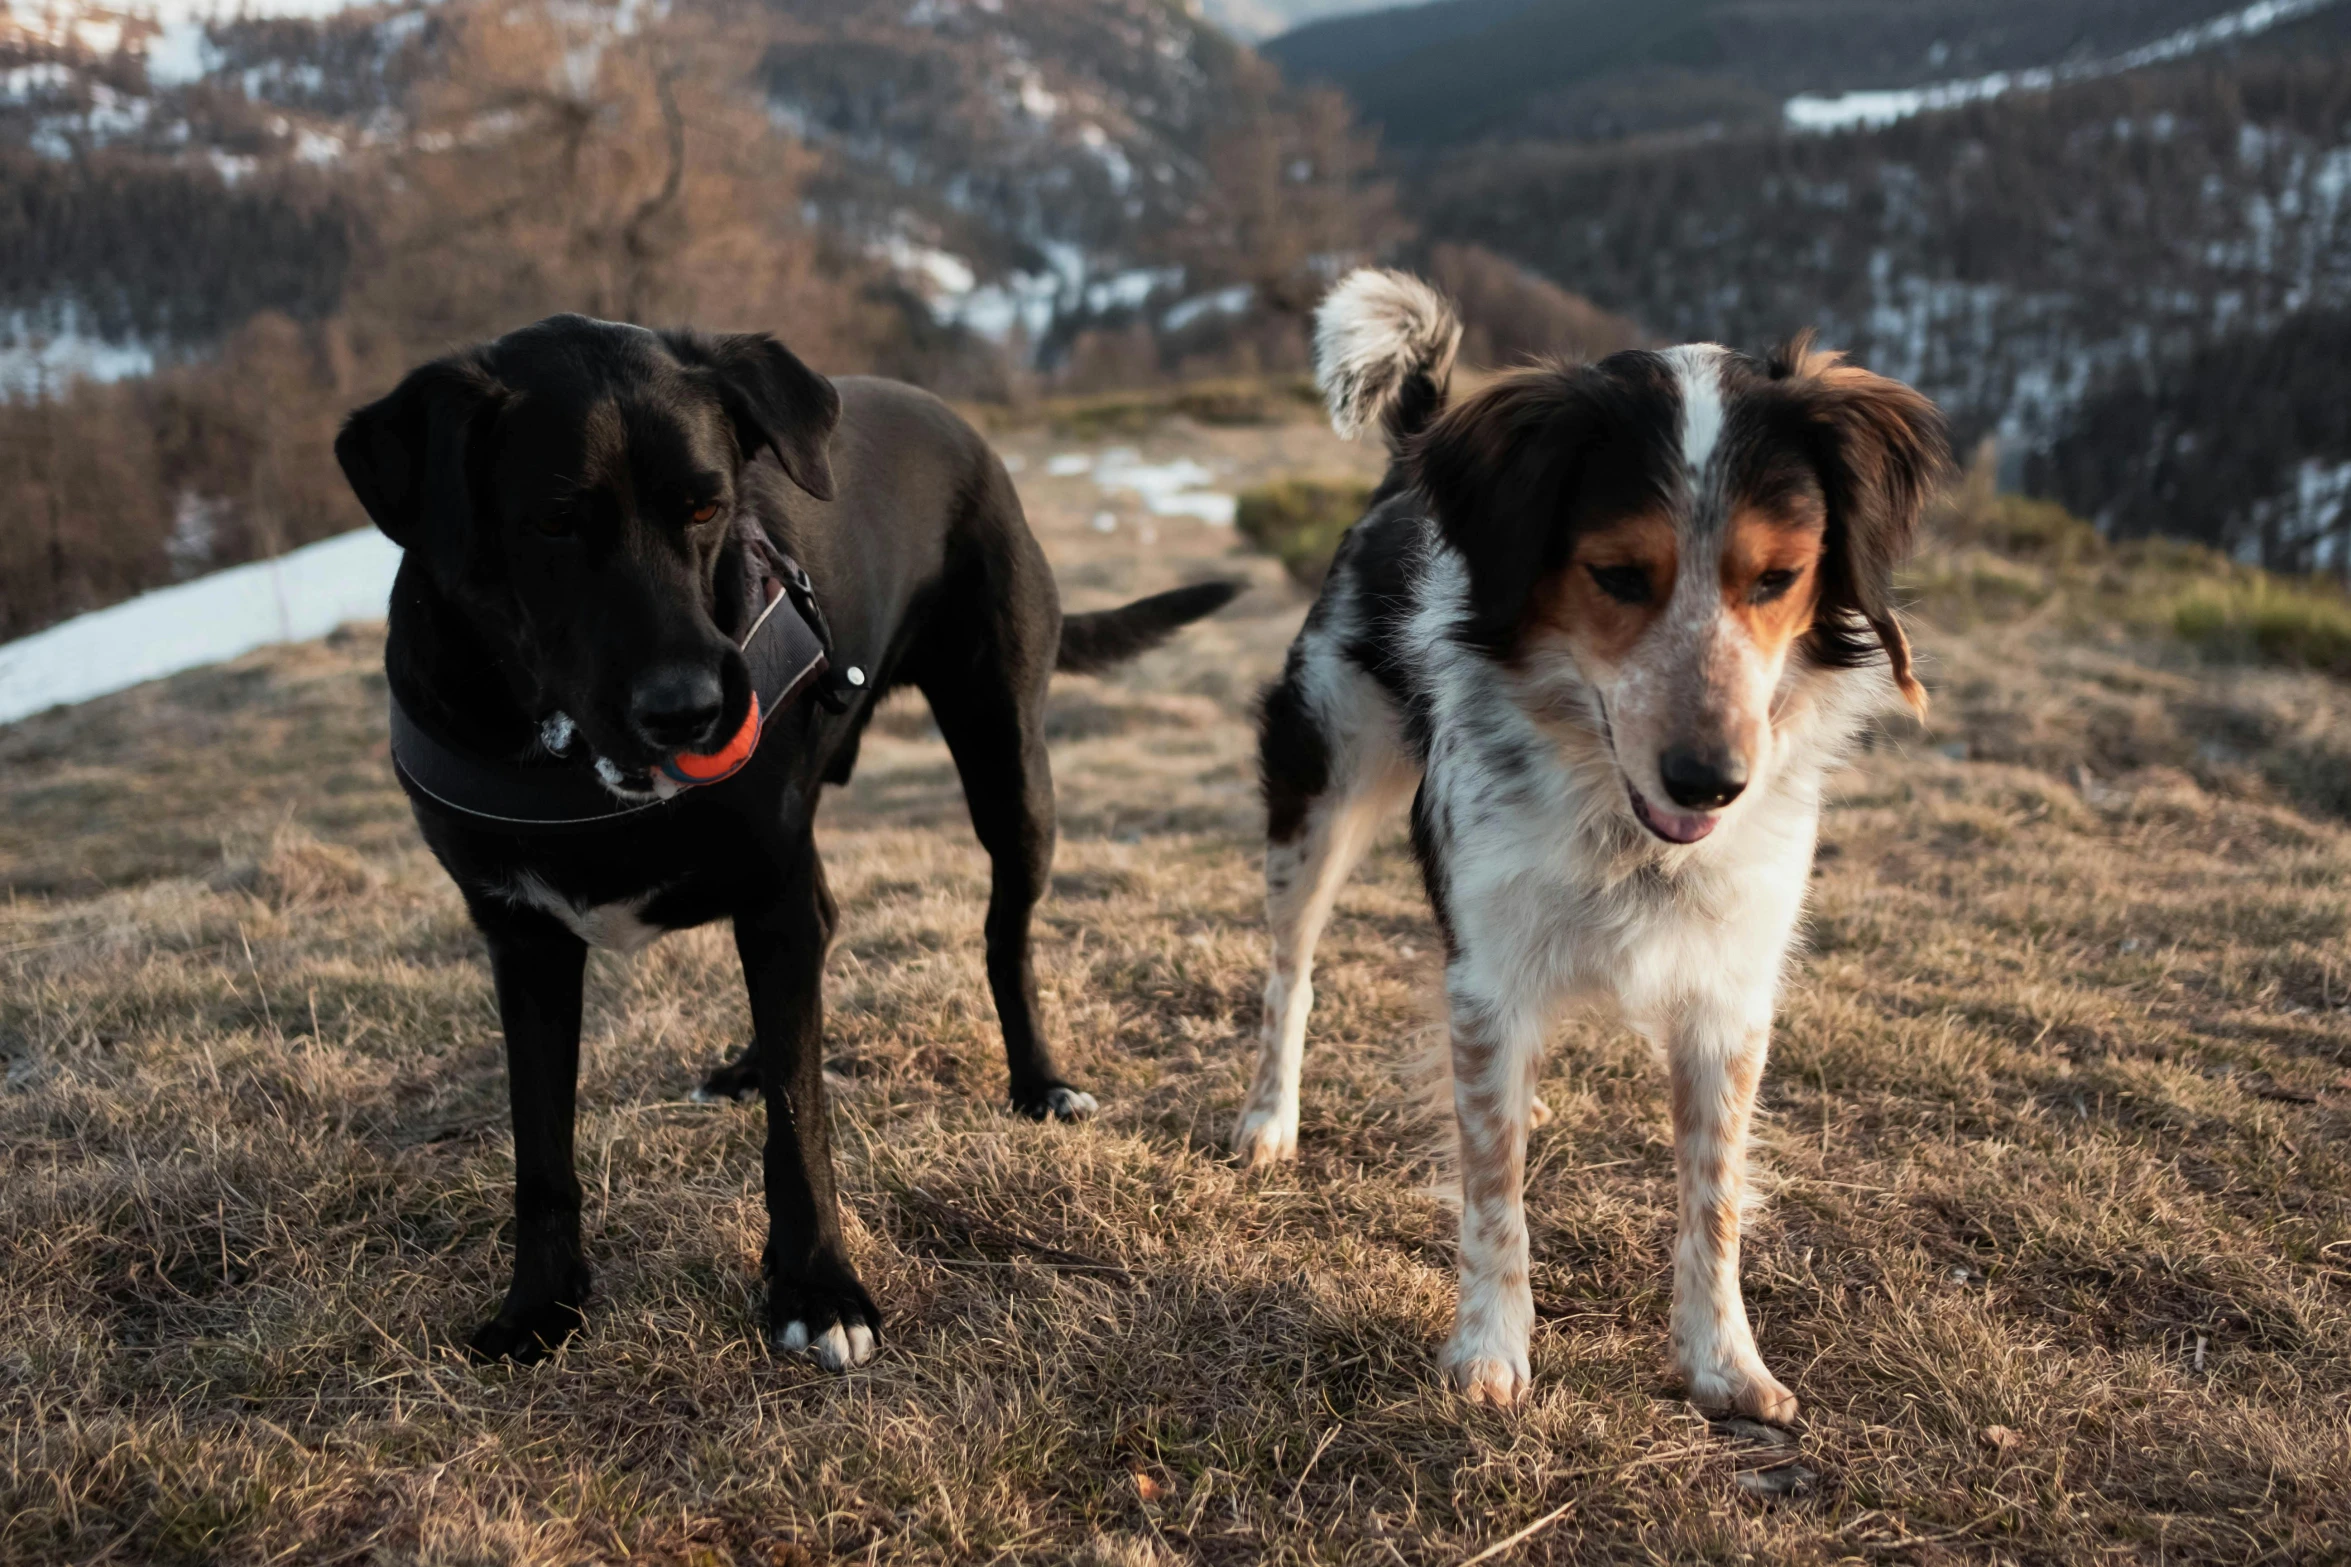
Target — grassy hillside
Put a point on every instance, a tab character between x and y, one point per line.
2053	1242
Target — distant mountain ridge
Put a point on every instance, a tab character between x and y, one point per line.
1443	74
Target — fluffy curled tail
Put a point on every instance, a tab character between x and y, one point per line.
1383	353
1092	643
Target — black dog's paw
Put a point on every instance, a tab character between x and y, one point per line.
737	1081
837	1325
528	1335
1056	1102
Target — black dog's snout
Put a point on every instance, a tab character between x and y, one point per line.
1701	778
678	706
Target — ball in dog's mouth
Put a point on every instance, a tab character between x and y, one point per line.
1672	826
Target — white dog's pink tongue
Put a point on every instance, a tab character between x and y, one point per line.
1671	825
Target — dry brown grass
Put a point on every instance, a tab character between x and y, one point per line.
2055	1146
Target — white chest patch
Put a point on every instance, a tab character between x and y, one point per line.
615	927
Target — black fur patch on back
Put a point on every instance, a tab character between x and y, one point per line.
1378	565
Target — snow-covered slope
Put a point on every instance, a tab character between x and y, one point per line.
1883	106
303	594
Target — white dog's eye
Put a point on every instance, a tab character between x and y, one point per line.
1625	584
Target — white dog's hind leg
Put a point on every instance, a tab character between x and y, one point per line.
1302	878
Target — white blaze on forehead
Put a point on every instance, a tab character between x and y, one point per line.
1697	372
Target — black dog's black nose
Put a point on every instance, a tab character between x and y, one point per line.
1701	778
677	706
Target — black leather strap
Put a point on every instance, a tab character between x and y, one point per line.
786	658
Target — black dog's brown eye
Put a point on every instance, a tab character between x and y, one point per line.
554	525
1625	584
1771	585
705	513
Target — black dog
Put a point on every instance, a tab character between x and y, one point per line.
587	509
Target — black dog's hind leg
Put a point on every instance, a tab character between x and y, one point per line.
743	1079
814	1301
989	702
538	967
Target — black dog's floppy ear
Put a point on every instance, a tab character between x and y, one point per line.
405	453
1881	449
772	399
1500	470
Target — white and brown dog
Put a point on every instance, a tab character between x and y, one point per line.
1616	622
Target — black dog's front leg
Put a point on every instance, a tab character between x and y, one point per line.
814	1301
743	1078
538	966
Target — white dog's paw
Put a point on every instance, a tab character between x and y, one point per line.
1264	1138
837	1348
1741	1389
1485	1371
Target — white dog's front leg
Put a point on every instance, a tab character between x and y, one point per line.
1715	1072
1496	1052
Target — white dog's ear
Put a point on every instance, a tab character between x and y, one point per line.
1502	471
1881	449
772	399
408	455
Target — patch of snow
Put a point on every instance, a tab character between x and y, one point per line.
25	81
303	594
317	146
2306	520
1169	489
1224	302
42	351
1115	164
1019	303
1871	108
947	276
180	53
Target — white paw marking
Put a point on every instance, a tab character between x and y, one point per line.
1266	1137
1071	1104
837	1348
557	732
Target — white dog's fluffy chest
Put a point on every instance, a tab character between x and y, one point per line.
1546	879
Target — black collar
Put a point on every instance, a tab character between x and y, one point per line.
787	656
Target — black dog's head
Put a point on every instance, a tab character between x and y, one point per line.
572	487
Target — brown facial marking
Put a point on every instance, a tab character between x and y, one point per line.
1760	550
1642	550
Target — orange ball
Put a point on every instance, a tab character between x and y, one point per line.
690	767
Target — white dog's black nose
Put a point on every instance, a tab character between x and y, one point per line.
1701	778
676	707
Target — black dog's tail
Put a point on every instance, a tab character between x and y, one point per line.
1092	643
